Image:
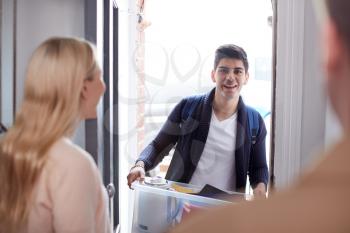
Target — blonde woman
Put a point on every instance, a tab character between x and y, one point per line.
48	184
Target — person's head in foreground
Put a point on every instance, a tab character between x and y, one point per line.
337	58
319	201
63	86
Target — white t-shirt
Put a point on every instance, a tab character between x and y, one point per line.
217	163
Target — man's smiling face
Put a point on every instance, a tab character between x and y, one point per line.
229	76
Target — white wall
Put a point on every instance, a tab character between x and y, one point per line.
36	21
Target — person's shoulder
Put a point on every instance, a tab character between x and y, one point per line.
334	161
253	110
194	98
197	96
69	166
247	107
65	152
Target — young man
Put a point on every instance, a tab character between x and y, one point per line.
219	140
319	202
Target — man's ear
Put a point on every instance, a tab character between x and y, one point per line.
246	78
333	48
213	76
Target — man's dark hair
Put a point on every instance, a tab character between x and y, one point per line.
339	12
231	51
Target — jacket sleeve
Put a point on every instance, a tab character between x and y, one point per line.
258	171
165	140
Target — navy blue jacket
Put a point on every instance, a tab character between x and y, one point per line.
188	131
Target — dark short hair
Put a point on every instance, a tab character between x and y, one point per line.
231	51
339	12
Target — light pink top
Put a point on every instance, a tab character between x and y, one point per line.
69	196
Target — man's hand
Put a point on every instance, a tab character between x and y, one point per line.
260	191
137	172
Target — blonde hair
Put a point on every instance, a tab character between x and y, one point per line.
50	110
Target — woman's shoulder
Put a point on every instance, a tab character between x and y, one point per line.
66	156
65	149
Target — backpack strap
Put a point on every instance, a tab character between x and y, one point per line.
253	122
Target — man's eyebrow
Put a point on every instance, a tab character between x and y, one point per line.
235	68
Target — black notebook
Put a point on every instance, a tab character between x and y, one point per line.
213	192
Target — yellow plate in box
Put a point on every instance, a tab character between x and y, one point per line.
182	189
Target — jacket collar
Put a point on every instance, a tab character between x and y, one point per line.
208	103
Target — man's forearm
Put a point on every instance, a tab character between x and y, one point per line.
260	190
